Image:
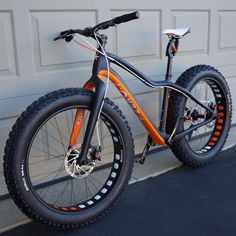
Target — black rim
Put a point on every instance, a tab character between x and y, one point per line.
93	194
206	138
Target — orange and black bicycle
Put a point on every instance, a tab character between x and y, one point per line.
70	155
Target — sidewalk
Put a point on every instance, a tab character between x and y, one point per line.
185	201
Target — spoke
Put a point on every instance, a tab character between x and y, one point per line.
108	153
49	146
50	158
73	190
62	194
89	192
38	181
96	180
63	145
54	138
204	137
49	173
58	172
44	156
201	145
93	183
102	171
71	193
86	190
61	133
67	121
104	137
44	151
61	167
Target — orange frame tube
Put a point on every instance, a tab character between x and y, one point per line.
79	117
156	137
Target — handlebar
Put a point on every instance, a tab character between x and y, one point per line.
126	17
89	31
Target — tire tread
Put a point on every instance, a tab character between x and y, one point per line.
15	134
175	103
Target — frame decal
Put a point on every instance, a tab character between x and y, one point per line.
79	119
156	136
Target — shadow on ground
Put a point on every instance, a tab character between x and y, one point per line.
185	201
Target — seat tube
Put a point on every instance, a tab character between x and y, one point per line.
168	76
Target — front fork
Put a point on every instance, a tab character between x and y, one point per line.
96	106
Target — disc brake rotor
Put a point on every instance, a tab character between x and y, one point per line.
73	168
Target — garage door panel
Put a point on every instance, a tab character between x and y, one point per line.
15	106
47	25
130	37
43	82
197	42
226	32
228	71
150	67
7	55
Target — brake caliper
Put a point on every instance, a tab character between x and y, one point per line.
96	153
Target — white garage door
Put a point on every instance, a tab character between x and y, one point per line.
31	63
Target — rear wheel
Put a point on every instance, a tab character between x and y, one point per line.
201	145
41	173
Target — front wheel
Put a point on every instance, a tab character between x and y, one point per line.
41	174
208	86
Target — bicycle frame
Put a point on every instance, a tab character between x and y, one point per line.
158	136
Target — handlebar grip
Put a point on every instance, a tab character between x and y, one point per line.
67	32
64	34
55	39
126	17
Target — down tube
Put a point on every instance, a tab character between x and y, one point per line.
155	135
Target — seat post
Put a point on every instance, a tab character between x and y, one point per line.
171	49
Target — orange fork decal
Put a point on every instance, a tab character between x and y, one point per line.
78	121
156	137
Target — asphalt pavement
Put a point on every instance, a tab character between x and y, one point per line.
185	201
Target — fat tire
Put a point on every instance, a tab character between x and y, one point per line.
25	124
177	101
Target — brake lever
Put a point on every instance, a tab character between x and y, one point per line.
67	35
68	38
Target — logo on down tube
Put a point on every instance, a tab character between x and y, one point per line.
130	102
